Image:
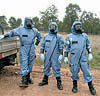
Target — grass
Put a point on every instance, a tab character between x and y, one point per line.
95	63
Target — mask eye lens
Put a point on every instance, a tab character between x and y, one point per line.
29	21
77	26
53	27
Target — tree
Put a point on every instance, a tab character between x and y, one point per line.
18	22
72	14
14	23
50	14
90	22
37	22
3	22
60	26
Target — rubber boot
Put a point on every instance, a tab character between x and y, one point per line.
24	82
75	89
30	81
91	88
44	81
59	83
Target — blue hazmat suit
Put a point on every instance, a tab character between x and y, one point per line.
52	44
77	44
27	38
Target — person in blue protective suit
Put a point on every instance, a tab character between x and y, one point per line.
77	43
27	35
52	44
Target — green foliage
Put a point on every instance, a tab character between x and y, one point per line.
90	21
14	23
37	23
71	14
50	14
18	22
3	22
95	63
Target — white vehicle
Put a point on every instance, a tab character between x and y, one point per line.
8	50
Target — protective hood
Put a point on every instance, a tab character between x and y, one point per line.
73	29
28	18
53	23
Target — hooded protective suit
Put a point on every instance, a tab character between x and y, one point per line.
52	44
77	44
27	48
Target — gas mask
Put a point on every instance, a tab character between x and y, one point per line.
52	29
79	31
78	28
29	25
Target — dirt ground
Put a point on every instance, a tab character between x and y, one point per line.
10	80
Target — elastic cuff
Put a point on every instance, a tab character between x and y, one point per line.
37	42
